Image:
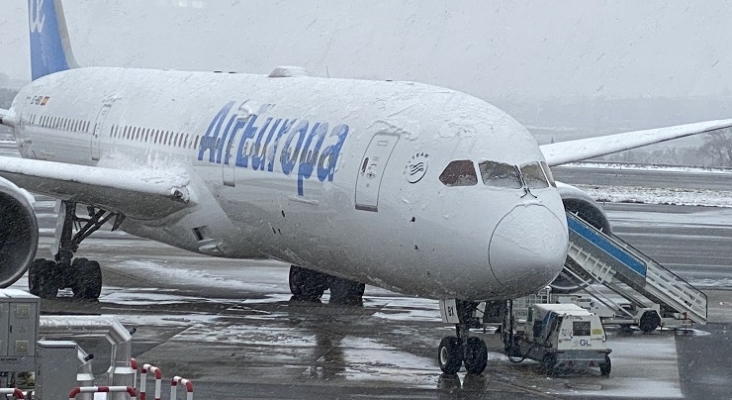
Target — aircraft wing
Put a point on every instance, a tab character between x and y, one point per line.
7	118
141	194
576	150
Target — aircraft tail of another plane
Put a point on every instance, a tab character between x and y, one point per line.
49	38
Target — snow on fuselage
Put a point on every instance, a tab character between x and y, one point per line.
341	176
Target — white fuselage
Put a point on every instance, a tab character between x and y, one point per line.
341	176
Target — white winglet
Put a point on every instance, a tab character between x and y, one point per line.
576	150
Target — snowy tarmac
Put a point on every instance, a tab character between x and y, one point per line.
230	327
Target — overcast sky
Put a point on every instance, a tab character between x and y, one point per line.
512	49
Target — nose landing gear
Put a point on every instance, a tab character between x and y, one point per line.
454	351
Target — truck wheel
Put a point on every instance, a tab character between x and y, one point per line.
606	366
549	364
649	321
476	356
450	355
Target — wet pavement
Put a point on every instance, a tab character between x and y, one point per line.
229	325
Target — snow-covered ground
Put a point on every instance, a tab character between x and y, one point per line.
685	197
647	167
654	195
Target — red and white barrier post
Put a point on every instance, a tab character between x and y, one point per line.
16	392
103	389
133	365
174	388
143	381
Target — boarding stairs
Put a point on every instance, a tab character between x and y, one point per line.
606	259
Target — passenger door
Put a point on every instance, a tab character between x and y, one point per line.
96	136
371	171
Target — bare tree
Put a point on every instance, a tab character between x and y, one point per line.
717	149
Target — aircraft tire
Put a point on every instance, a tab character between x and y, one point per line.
307	285
34	284
43	278
346	292
88	279
450	355
476	355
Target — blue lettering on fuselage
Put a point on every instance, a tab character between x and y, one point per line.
256	142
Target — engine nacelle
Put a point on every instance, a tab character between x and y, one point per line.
18	232
580	203
585	207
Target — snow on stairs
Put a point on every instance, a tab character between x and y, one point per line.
611	261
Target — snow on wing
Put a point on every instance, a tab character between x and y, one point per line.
140	194
577	150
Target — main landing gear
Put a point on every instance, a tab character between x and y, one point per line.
83	276
454	351
308	285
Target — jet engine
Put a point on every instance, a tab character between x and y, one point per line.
18	232
581	204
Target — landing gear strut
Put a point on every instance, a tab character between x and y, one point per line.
308	285
460	349
83	276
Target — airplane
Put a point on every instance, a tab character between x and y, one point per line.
419	189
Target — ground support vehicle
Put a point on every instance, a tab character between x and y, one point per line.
562	337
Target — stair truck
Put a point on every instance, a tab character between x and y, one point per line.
561	337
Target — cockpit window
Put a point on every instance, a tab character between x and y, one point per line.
548	173
500	175
534	176
459	173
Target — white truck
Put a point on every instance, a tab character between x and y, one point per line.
562	337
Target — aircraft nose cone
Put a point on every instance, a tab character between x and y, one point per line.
528	248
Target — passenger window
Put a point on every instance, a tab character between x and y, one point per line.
459	173
581	328
500	175
534	176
